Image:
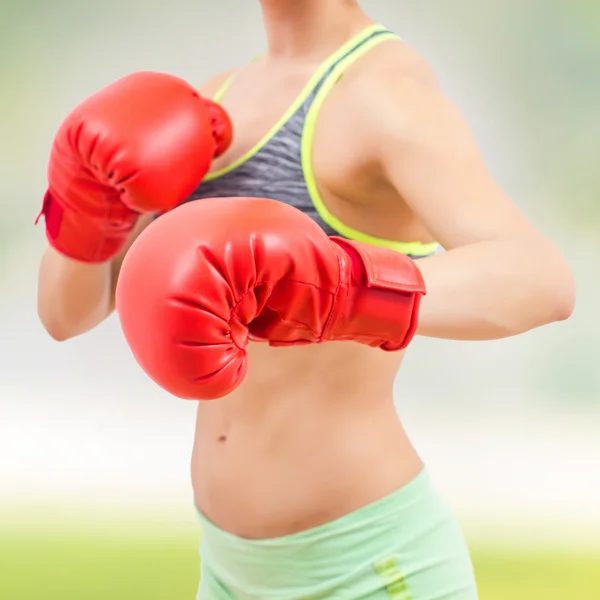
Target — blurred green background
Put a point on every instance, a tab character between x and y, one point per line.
94	459
157	568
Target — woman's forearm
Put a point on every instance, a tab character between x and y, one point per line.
72	297
75	297
495	289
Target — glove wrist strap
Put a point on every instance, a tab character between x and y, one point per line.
381	304
80	238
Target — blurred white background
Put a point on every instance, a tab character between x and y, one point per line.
511	429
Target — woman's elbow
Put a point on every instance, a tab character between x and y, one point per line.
560	290
58	335
564	299
55	328
62	325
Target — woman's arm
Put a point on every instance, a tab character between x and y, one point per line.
500	276
74	297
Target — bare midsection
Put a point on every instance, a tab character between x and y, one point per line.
312	434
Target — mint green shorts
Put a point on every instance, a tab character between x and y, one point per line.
406	546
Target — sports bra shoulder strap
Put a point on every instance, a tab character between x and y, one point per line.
222	90
356	46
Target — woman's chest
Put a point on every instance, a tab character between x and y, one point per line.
294	145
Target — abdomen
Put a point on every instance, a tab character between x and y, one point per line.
310	435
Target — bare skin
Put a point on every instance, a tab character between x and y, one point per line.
313	433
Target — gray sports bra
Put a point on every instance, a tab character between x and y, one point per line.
279	167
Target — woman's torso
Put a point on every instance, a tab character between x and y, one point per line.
312	433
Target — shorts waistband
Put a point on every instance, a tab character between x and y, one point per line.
323	553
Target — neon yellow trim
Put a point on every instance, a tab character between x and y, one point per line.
220	93
395	580
308	89
412	248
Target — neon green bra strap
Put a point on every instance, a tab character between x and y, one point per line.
220	93
344	57
415	249
308	89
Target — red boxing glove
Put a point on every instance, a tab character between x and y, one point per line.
222	129
205	278
140	145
